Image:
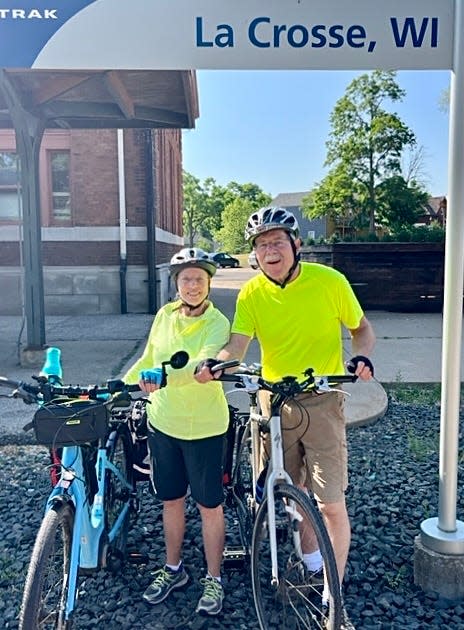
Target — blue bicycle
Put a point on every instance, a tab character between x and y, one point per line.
88	511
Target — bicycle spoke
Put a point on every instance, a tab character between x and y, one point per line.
295	602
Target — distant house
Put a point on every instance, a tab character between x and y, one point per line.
309	228
434	211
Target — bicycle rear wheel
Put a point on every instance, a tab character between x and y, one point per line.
295	602
118	494
242	481
46	589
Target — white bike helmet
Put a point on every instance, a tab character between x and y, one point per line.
271	218
190	257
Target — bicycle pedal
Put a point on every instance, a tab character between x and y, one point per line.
234	557
137	558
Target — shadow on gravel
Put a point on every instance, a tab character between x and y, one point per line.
393	488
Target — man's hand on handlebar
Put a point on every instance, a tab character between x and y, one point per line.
361	366
212	369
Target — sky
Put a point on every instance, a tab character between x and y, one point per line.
271	127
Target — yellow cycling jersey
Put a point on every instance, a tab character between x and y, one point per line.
184	408
300	326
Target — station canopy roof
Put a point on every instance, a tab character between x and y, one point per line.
80	99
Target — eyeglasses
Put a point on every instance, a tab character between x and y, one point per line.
280	243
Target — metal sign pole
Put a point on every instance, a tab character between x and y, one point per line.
445	534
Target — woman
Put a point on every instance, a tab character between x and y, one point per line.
187	423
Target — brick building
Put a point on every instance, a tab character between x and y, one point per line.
111	212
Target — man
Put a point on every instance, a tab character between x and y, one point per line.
296	311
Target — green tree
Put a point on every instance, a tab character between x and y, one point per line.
195	207
366	141
234	218
399	203
337	197
250	192
204	205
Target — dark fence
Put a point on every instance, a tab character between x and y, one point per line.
388	276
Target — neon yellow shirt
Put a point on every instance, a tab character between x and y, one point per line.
300	326
184	408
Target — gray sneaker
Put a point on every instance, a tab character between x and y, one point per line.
166	580
211	601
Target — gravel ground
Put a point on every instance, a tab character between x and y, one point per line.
393	488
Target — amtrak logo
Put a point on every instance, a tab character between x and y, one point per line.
26	26
28	14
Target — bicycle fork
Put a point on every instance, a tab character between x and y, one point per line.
71	488
278	473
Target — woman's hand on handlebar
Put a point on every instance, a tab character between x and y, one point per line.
151	380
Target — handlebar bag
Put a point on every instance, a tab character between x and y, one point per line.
70	422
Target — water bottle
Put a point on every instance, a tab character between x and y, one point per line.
52	366
261	484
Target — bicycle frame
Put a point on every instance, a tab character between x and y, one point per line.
89	520
277	472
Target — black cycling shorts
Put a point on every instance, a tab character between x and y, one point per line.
177	464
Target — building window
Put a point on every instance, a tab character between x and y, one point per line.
61	198
9	186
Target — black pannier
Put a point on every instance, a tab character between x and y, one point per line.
70	423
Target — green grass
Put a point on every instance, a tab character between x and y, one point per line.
415	394
422	446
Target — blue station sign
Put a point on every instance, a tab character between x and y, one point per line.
226	34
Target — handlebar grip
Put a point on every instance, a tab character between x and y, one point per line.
8	382
117	385
346	378
225	365
52	366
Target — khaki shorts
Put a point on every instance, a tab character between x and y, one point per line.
314	441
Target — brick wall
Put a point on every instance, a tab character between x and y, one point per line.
95	203
94	177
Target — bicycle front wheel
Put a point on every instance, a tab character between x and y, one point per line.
46	588
118	495
295	601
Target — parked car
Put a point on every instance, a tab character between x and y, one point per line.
252	260
224	260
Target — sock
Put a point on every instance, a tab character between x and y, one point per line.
214	577
313	561
174	567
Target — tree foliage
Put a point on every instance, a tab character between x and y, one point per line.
234	218
364	149
205	204
195	207
399	203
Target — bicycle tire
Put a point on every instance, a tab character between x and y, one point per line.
242	477
295	602
46	588
117	495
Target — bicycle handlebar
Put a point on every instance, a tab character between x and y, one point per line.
30	393
289	385
49	384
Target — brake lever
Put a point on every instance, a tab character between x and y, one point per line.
322	386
